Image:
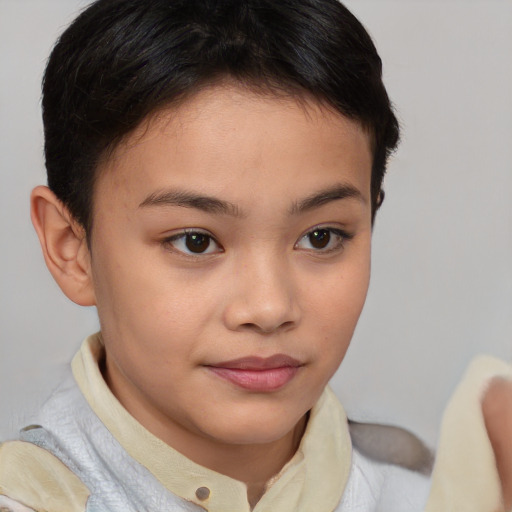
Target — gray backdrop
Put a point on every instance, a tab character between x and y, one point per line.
441	288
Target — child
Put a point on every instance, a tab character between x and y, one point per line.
214	170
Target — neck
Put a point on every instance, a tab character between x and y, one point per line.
255	465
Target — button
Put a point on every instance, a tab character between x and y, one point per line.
203	493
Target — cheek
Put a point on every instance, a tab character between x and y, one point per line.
337	304
153	308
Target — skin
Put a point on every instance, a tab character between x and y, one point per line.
497	411
263	286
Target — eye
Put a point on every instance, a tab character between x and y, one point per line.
323	240
193	242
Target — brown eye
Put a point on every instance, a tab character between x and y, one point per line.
193	243
319	238
197	242
323	240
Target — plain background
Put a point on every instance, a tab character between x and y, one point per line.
441	288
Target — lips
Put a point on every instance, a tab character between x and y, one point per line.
258	374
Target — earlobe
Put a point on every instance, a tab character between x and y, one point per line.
64	246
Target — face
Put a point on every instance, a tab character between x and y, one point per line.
230	261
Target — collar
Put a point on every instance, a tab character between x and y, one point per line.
314	479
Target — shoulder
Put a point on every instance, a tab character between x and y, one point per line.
31	478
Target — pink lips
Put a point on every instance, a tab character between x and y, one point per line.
256	373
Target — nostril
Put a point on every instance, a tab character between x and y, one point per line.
286	325
268	329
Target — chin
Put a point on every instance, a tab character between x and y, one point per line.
259	429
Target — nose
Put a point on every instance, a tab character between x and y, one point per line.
263	296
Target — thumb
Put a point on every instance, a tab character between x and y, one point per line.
497	412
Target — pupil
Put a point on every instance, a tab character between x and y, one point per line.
197	242
320	238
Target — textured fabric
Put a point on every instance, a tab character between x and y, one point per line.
465	477
38	479
116	482
376	487
9	505
119	482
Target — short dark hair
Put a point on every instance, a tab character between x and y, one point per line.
121	60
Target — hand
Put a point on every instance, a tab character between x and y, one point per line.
497	411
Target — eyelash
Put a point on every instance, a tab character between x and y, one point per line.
342	236
188	235
183	237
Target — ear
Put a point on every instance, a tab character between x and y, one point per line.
64	246
380	198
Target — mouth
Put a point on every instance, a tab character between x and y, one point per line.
258	374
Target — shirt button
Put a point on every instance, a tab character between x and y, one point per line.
203	493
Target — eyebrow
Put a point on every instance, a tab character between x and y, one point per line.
214	205
336	193
187	199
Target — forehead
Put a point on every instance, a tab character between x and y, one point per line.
230	140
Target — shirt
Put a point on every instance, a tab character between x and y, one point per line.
87	453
